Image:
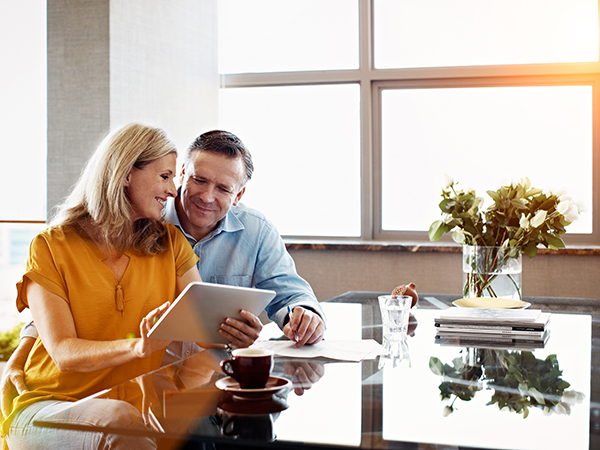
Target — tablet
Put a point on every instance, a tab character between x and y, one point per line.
198	312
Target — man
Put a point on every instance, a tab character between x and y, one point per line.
236	245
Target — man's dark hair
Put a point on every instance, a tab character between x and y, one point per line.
223	143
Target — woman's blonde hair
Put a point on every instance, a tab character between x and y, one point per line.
101	196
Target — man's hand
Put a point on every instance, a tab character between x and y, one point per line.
239	333
305	327
303	374
13	378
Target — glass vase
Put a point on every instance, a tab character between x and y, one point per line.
491	272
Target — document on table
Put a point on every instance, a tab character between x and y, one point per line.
353	350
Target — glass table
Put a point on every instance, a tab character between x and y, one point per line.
393	401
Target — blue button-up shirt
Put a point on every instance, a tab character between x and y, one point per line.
245	249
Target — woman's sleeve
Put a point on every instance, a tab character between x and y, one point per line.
41	268
185	258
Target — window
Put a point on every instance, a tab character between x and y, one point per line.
438	33
487	135
23	108
23	130
322	183
411	91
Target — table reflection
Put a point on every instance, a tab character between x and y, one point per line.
422	392
475	416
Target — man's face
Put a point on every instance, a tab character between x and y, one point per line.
210	185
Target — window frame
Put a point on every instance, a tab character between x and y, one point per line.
373	81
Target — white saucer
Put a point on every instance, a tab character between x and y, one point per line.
231	385
491	303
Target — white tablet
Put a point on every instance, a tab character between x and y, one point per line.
198	312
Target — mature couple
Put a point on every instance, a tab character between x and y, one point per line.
109	265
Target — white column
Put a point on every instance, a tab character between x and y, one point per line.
111	62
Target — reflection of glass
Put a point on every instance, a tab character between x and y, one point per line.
519	379
397	346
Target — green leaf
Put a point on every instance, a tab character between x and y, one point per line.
533	192
537	395
518	203
447	205
553	241
437	230
436	365
494	196
530	249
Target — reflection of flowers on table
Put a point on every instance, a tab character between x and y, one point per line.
519	379
461	379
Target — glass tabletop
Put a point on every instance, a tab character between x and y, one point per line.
420	393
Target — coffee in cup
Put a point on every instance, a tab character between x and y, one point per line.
251	367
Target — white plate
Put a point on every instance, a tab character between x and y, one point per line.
491	302
274	384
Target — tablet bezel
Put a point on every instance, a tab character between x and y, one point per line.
197	313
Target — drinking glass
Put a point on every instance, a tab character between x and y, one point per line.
395	312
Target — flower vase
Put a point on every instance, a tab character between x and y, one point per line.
491	272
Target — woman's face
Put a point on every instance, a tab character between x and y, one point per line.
148	188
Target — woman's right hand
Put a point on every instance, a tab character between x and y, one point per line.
145	345
13	377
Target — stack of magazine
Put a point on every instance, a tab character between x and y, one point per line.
493	328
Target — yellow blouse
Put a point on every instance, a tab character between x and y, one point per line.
68	263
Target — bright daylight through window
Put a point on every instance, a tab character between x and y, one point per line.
357	112
23	130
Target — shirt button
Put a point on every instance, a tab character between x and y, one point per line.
187	352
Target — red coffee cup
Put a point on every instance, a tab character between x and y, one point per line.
251	367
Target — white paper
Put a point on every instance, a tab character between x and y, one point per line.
353	350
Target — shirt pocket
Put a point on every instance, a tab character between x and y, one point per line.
232	280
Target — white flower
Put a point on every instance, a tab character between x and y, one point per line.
563	408
521	182
447	411
448	181
547	411
524	221
565	198
458	235
568	209
539	218
572	397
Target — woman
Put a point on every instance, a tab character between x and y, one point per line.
96	281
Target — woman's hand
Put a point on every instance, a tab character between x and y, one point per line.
13	378
145	346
